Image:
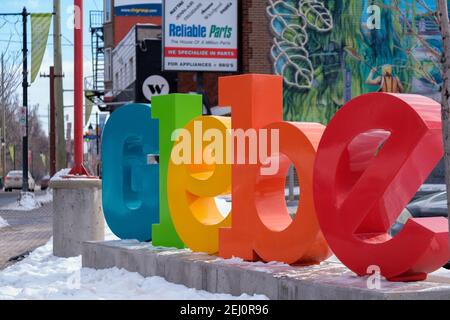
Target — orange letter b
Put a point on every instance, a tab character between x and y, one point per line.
261	226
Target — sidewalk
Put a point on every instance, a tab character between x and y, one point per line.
26	232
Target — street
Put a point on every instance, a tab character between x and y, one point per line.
27	230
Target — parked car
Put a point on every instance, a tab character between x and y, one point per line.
45	182
429	189
433	205
13	181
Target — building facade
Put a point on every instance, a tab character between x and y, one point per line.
121	17
327	51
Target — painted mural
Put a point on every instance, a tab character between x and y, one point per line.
332	50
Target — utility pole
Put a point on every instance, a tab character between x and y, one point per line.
61	159
3	120
25	102
52	131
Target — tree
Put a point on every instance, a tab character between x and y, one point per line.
445	31
10	81
11	105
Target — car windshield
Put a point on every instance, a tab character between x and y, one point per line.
15	174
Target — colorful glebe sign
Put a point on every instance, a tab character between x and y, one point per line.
373	156
201	35
149	8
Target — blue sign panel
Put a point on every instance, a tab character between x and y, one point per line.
138	8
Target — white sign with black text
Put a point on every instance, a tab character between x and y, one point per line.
201	35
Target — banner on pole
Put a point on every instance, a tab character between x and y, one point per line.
11	152
40	28
44	159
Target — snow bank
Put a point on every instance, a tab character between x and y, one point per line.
29	201
47	197
43	276
3	223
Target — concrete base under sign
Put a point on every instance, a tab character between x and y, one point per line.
77	215
330	280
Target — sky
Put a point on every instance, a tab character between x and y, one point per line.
39	90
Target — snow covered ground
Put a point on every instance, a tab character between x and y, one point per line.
43	276
3	223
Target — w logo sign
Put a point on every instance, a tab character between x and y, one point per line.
156	89
155	86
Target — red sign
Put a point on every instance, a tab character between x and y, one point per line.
200	53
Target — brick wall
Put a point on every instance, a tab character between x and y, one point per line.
256	37
256	42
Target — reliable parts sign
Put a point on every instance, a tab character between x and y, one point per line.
201	35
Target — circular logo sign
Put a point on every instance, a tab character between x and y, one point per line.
155	86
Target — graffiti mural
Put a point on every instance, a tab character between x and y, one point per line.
329	51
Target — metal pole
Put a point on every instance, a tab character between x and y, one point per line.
97	133
52	123
3	121
25	102
61	159
52	117
291	184
78	168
